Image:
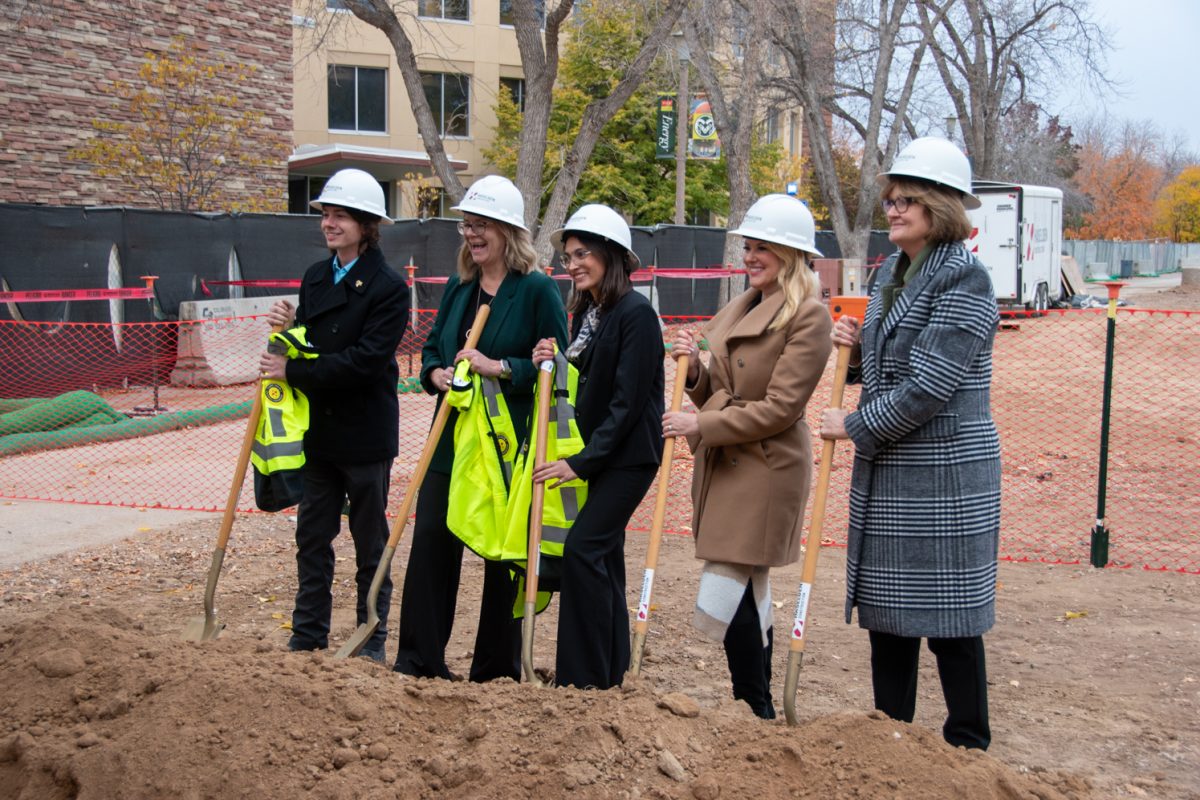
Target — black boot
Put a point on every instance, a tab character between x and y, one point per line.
750	662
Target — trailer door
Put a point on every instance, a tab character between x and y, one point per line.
995	241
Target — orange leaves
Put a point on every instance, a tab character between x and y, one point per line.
1121	190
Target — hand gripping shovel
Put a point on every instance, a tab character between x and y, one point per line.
642	623
365	631
533	555
812	546
202	629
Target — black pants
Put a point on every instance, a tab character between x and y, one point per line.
430	598
593	618
327	485
963	673
750	662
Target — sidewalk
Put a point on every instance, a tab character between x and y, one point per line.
31	530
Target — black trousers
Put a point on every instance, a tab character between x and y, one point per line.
750	662
327	485
430	598
593	618
963	672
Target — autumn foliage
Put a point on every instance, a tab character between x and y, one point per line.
1120	188
187	144
1177	210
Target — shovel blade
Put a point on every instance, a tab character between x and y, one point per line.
358	640
202	629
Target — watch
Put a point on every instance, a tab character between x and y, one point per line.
505	369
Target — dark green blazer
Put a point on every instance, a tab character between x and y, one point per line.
526	309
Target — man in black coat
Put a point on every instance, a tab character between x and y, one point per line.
355	309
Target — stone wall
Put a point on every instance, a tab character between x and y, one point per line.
60	57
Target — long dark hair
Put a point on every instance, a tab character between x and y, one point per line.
618	266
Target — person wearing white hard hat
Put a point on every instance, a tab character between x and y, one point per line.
496	266
925	490
616	344
752	446
354	308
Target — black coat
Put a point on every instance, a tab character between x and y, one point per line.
356	325
619	405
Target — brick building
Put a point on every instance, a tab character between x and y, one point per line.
60	56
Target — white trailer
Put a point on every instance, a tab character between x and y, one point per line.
1018	237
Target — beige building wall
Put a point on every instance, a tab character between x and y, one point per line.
480	47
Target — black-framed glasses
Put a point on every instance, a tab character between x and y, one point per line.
475	227
577	255
901	204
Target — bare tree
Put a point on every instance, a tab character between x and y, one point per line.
734	89
993	55
854	63
539	47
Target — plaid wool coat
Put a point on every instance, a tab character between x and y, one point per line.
925	491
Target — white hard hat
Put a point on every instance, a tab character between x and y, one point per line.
937	160
781	219
598	220
495	197
353	188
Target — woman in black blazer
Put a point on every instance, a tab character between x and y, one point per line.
497	266
617	346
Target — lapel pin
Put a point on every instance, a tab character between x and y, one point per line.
358	284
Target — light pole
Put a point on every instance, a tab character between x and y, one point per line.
683	126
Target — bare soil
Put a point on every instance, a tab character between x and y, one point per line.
1095	689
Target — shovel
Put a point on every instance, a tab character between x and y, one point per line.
205	628
365	631
642	623
812	547
533	554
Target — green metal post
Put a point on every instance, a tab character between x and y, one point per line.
1099	549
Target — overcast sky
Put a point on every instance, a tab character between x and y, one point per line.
1156	58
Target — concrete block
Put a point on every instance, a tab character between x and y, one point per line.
217	345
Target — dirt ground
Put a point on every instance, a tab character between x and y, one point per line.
1094	689
1094	680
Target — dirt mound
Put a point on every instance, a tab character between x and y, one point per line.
94	706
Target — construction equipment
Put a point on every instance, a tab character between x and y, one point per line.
366	630
537	504
202	629
642	623
856	307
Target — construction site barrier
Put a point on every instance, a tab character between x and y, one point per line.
126	435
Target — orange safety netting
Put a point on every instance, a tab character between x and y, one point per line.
152	414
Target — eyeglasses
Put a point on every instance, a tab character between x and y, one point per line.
901	204
576	255
473	227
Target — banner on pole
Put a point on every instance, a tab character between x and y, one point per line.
667	123
702	129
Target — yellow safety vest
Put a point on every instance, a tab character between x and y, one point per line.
485	444
278	450
562	504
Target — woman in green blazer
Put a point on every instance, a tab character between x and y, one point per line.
497	266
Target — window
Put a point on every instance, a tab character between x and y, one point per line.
335	5
449	98
357	99
516	90
507	17
772	126
444	9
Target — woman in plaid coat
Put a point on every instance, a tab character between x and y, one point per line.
925	492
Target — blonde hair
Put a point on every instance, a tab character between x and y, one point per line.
519	254
948	220
796	280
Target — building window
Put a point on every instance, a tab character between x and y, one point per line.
516	90
449	97
357	99
772	131
444	9
335	5
507	17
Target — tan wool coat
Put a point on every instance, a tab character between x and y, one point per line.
754	451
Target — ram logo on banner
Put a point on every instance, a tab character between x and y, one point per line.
702	141
664	146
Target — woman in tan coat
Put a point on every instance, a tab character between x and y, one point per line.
752	445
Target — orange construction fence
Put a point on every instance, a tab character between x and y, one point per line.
152	414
